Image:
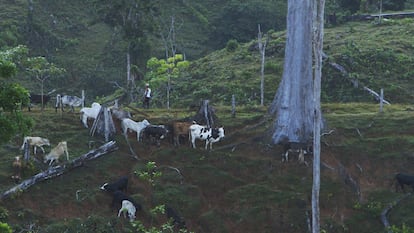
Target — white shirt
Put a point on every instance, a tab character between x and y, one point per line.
148	92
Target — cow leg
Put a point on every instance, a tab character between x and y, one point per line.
285	156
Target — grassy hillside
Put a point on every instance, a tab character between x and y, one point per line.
240	186
375	56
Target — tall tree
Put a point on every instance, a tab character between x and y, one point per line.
293	102
318	20
12	96
42	69
297	101
262	50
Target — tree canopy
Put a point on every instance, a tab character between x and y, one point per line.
12	96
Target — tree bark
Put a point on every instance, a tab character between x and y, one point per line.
318	19
60	169
293	102
262	49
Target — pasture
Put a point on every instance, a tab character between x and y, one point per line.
239	186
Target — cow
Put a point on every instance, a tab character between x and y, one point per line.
89	112
157	132
17	167
129	124
119	196
35	142
301	149
71	101
177	220
180	128
210	135
37	99
404	179
57	152
120	185
128	207
119	113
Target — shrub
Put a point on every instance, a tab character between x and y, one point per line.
232	45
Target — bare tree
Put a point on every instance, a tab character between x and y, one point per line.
297	101
318	19
262	50
293	102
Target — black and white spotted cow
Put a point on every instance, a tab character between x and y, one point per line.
119	185
117	198
402	180
210	135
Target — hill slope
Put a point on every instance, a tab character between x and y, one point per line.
240	186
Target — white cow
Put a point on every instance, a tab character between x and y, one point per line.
211	135
71	101
36	142
55	153
134	126
92	112
129	207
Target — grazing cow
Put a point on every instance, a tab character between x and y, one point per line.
175	217
55	153
119	196
134	126
37	99
71	101
211	135
295	147
119	113
35	142
17	167
158	132
92	112
404	179
120	185
178	129
129	207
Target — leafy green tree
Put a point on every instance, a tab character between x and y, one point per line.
42	69
12	96
5	228
161	72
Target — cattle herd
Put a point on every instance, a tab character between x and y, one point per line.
145	132
154	133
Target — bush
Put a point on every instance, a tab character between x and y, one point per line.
232	45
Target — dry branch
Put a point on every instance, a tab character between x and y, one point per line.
60	169
384	213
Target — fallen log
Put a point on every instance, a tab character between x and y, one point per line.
58	170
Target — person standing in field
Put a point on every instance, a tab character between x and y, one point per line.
147	96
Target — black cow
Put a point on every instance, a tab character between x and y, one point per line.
37	99
120	185
119	196
176	218
156	132
404	179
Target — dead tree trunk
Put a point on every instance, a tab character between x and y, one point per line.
205	115
262	50
60	169
104	124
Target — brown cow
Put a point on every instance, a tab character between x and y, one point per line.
180	128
